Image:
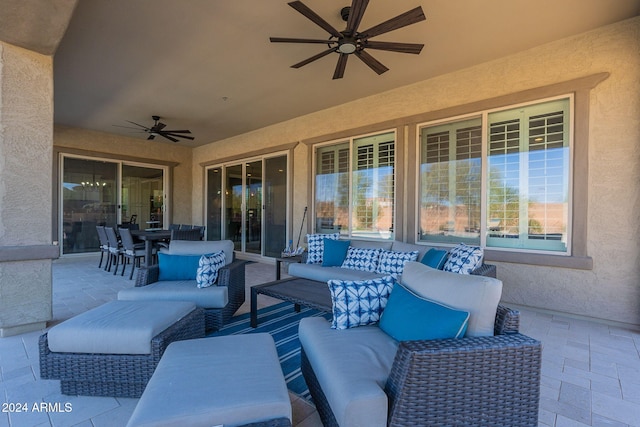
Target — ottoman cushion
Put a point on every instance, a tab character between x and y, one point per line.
230	381
117	327
181	290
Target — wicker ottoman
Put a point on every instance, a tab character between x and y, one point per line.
223	381
113	349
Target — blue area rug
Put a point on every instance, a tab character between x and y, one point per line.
281	321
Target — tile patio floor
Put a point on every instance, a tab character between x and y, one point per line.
590	371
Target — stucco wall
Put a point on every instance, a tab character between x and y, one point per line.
67	139
26	135
612	289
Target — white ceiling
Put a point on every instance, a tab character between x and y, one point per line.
208	65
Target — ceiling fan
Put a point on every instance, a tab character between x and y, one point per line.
351	41
158	128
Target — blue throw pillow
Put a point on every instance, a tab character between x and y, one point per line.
178	267
358	303
435	258
408	317
334	252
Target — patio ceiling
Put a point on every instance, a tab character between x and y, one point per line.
208	65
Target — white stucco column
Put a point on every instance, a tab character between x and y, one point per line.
26	150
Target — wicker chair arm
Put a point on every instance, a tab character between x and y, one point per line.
231	272
488	270
469	381
147	275
507	321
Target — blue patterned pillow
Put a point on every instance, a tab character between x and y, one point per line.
392	262
365	259
208	268
358	303
464	259
315	246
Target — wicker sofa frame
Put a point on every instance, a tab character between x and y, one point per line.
231	276
115	375
480	381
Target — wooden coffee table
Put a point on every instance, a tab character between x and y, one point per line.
308	293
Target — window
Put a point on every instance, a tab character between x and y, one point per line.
521	155
354	187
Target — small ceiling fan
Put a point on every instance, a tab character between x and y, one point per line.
158	128
350	41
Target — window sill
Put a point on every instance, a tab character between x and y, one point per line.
573	262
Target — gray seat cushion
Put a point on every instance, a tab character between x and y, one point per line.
117	327
352	367
324	274
230	381
179	290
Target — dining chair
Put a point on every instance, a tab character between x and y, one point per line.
104	244
191	234
132	251
115	250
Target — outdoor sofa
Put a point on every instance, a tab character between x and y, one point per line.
364	376
179	264
323	271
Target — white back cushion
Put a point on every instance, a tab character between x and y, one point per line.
479	295
201	247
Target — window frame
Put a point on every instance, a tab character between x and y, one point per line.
484	117
351	142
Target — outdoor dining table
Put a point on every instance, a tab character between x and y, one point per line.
150	236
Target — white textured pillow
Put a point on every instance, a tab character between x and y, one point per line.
464	259
208	267
479	295
392	262
359	303
315	246
364	259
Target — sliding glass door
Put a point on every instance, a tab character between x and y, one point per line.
107	192
246	203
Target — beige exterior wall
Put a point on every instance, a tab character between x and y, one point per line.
611	290
26	135
97	144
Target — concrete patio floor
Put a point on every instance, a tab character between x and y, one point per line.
590	370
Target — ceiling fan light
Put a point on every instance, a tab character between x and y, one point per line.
347	47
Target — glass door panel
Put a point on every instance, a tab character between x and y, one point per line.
275	205
89	198
142	196
214	204
253	195
233	205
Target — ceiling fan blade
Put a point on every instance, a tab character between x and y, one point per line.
355	15
159	126
176	131
414	48
137	124
407	18
168	137
340	66
314	57
128	127
294	40
152	136
176	135
373	63
315	18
